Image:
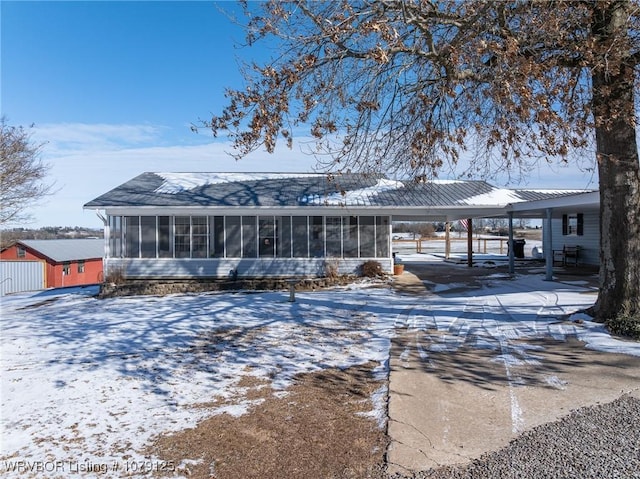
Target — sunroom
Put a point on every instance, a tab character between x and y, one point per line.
245	245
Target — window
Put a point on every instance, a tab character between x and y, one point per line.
132	236
300	237
233	238
115	236
573	224
199	237
216	239
350	237
334	236
367	237
283	235
266	236
182	237
81	266
316	237
382	236
148	236
165	245
66	268
21	251
249	237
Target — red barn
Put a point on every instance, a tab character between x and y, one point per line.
69	262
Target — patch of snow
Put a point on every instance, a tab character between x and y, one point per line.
83	378
496	197
555	382
174	183
361	196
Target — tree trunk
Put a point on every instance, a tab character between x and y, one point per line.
619	225
619	171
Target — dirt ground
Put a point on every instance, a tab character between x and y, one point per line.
314	430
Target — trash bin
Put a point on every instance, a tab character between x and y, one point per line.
518	248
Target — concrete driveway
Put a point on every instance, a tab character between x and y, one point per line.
489	383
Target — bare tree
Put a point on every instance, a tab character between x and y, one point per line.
412	84
22	173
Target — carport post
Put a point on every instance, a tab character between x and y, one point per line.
547	246
469	242
512	267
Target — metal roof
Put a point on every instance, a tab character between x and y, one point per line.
304	189
60	250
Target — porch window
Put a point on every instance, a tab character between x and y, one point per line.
283	236
199	237
367	237
132	236
233	239
316	236
148	236
350	237
165	245
249	237
334	236
115	236
382	236
266	236
216	236
182	236
300	236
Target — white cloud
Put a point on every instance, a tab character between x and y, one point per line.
60	138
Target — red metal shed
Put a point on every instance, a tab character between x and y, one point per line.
69	262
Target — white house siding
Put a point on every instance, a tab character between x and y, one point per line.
155	268
589	241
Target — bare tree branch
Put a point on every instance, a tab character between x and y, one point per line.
22	173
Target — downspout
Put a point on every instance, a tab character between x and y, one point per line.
106	234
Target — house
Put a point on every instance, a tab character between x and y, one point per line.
213	225
68	262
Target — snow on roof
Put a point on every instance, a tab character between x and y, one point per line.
499	196
174	183
271	190
360	196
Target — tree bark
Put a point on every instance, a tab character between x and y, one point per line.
619	171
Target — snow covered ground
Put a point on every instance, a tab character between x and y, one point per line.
88	383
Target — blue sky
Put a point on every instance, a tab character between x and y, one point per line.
113	87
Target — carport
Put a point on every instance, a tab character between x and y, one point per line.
586	204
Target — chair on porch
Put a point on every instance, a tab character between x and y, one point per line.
570	254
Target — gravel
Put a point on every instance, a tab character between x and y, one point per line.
601	441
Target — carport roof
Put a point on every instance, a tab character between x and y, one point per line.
306	191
